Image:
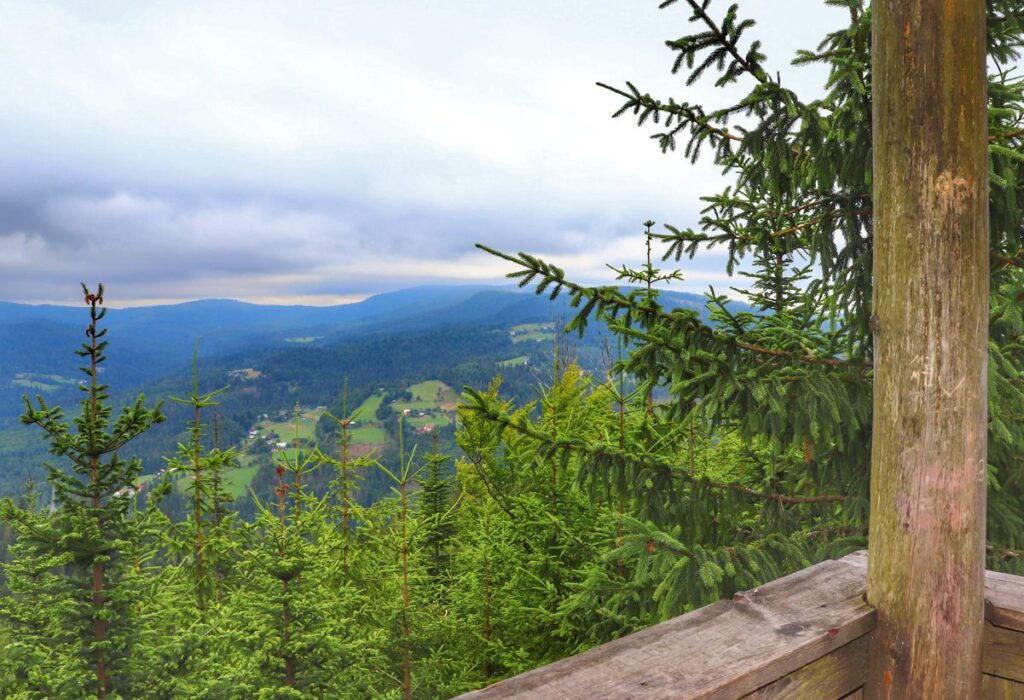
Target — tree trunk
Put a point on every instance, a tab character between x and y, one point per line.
931	264
197	510
406	630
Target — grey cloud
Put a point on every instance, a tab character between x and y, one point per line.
263	149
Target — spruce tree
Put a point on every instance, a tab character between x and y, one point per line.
347	478
435	512
531	529
75	588
208	531
285	630
791	379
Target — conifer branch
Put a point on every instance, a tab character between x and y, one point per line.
1013	133
680	115
602	299
686	114
677	238
725	40
603	450
1002	550
1004	261
808	223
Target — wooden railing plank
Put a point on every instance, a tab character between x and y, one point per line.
724	650
1003	653
995	688
775	641
1004	600
835	675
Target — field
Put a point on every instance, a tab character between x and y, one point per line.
532	331
368	434
286	428
438	420
429	394
514	362
367	410
432	395
234	481
42	382
366	429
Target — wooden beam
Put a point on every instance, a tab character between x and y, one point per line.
836	675
724	650
995	688
1004	600
805	635
1003	654
931	296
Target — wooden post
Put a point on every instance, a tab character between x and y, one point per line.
931	263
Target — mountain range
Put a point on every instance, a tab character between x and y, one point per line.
155	340
461	335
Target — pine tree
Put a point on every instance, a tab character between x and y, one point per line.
74	585
286	630
435	512
208	529
791	379
531	529
347	477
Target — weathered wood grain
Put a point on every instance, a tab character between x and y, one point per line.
930	301
835	675
724	650
1004	600
1003	653
774	642
995	688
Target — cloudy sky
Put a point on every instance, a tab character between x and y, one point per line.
317	152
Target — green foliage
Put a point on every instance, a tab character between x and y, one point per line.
75	577
792	378
436	511
718	452
206	536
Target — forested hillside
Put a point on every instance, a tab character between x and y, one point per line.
159	340
567	492
460	335
436	583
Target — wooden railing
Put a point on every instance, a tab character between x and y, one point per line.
803	636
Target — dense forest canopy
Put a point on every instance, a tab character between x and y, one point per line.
718	450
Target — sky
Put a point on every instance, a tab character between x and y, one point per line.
318	152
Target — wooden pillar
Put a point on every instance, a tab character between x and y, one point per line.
931	262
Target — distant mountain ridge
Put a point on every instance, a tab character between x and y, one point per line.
460	335
151	341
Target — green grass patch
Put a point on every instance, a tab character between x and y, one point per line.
235	482
532	332
32	384
45	378
286	429
437	420
514	362
367	410
368	434
42	382
429	394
